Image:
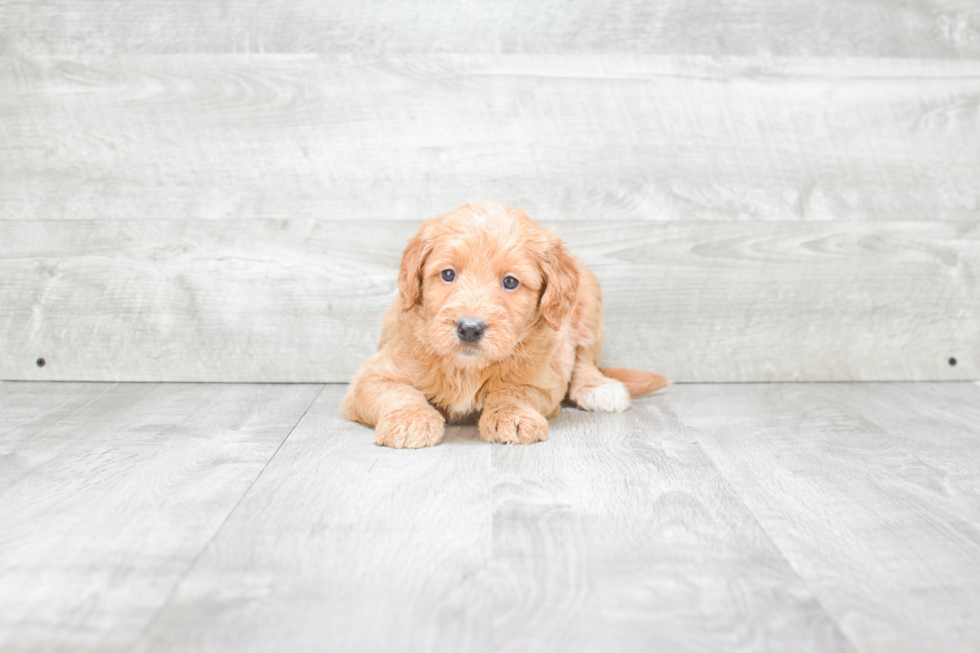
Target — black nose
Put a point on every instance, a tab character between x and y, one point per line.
470	330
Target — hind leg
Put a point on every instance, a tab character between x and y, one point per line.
593	391
589	388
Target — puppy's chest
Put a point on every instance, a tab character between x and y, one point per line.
457	396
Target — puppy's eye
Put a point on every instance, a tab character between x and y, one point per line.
510	283
448	276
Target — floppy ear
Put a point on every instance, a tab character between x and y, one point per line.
561	283
410	272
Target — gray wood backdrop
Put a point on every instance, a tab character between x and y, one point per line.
206	190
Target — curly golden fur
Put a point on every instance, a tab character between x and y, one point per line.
536	337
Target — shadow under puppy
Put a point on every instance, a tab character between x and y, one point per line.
494	316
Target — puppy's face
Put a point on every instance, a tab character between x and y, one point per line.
483	277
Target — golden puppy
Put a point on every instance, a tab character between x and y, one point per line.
493	316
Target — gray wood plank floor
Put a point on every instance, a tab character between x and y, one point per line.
819	517
109	492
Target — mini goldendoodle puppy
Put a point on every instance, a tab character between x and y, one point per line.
495	317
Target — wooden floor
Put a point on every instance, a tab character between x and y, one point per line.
731	517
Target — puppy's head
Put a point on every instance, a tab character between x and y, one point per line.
483	277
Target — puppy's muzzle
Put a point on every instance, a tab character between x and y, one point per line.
470	330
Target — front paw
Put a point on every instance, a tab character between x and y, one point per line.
513	425
410	427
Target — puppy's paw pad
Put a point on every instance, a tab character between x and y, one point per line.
524	426
611	397
410	427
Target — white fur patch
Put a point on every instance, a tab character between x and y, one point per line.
612	397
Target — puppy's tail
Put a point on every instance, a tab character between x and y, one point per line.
637	382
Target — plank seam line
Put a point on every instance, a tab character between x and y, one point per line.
796	572
173	589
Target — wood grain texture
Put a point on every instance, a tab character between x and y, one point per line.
620	535
30	410
613	534
570	137
925	28
109	492
716	518
870	491
301	300
342	545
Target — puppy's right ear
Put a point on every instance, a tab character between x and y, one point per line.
410	272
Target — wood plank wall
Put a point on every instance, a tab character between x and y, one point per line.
220	191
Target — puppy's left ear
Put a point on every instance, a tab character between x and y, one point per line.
410	271
561	283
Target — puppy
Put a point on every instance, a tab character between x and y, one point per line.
495	317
